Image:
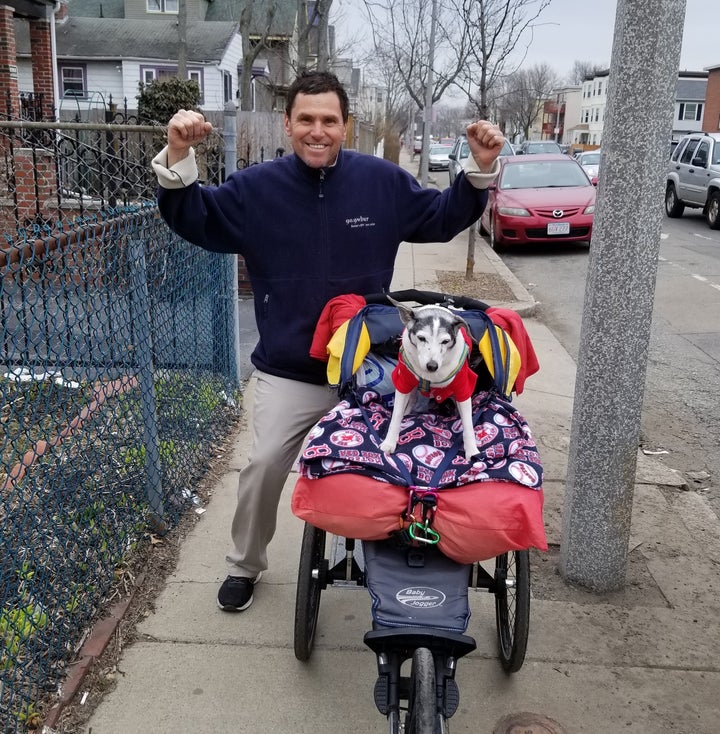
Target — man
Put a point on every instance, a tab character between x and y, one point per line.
313	225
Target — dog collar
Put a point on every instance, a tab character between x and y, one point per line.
425	385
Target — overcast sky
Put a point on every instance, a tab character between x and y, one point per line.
570	30
582	30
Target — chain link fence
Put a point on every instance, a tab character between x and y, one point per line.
118	377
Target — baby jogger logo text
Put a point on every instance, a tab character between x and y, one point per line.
420	597
355	222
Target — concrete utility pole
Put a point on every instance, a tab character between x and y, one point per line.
619	293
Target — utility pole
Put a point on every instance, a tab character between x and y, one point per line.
427	112
619	294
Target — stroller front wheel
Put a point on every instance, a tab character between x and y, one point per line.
422	715
312	573
512	607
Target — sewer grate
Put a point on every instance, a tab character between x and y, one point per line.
527	723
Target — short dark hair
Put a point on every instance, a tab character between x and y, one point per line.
318	82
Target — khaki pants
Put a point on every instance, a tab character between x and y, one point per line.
283	413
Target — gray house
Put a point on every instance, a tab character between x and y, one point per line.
105	48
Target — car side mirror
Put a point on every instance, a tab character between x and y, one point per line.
452	156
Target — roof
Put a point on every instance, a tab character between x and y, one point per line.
283	23
691	89
31	8
96	8
117	38
217	10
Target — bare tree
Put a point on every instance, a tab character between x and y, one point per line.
403	28
182	40
397	106
500	32
583	69
254	36
312	24
525	94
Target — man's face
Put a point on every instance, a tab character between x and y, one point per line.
316	128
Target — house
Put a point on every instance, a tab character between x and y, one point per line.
690	92
37	16
561	107
106	48
711	114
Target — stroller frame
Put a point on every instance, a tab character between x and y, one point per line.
422	701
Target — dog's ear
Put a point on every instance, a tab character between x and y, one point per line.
406	314
461	323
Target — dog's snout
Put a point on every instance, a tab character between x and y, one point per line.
431	366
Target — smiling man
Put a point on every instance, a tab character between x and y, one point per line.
316	224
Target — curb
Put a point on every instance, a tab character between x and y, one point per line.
97	641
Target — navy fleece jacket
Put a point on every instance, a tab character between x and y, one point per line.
308	235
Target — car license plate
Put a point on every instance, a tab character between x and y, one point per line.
558	228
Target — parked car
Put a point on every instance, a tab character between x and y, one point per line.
538	146
539	199
693	178
417	144
461	150
590	161
438	157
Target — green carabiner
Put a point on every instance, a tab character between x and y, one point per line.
431	536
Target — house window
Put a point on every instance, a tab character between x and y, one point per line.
149	74
72	81
599	88
227	86
690	111
162	6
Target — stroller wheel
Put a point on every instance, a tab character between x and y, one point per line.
312	573
422	716
512	607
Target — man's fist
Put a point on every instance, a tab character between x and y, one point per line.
485	141
185	129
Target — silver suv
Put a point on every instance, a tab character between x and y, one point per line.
693	178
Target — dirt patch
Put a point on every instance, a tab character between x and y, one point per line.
154	561
640	589
486	287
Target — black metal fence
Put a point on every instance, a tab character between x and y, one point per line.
118	375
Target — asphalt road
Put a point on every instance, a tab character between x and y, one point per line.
681	414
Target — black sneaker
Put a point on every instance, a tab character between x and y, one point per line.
236	593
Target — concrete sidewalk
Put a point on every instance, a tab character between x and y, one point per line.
644	660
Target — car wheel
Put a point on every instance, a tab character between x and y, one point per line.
494	241
712	210
673	206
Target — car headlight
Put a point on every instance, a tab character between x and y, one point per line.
510	211
590	209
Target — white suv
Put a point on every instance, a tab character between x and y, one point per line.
693	178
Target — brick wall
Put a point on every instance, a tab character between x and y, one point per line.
244	287
8	62
35	185
711	116
42	64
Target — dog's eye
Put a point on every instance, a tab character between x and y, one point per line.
421	339
445	342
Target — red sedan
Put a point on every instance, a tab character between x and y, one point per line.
539	198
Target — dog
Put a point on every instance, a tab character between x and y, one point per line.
433	359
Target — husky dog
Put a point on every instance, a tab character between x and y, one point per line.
434	360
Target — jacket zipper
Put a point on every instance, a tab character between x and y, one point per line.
321	194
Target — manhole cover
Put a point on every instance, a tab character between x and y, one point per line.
527	723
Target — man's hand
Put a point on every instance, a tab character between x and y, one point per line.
185	129
485	141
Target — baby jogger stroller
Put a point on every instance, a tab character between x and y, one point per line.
429	519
